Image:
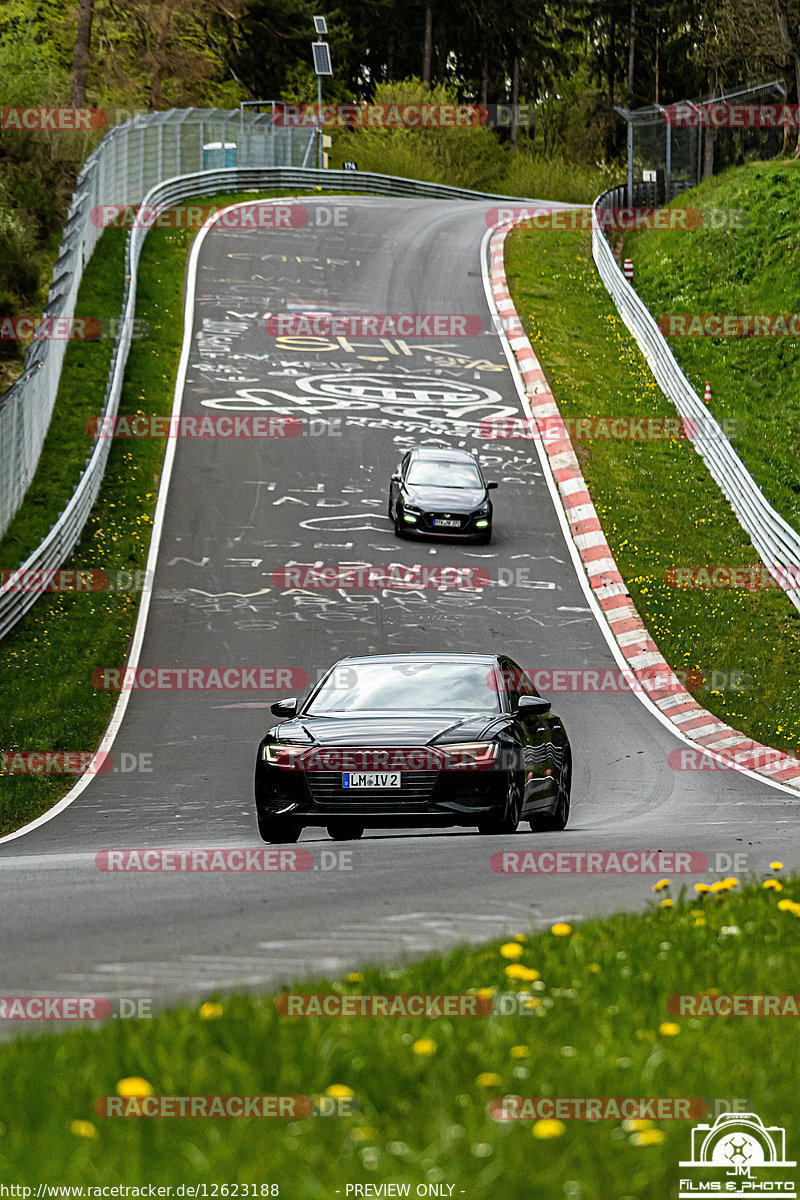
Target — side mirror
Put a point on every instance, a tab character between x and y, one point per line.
397	478
533	705
491	486
284	708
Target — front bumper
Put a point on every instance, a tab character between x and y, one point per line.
444	797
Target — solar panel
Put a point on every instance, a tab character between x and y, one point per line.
322	58
320	25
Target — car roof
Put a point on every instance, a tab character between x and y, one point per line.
442	452
445	656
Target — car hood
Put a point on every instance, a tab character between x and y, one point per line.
385	729
459	500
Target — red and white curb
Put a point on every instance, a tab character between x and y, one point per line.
652	671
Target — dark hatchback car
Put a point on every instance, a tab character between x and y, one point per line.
410	740
438	492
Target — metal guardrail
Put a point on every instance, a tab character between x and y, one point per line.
777	543
66	532
132	158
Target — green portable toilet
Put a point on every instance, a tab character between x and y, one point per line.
218	154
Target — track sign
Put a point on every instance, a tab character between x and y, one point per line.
322	58
349	166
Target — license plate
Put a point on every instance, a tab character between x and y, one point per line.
370	779
447	524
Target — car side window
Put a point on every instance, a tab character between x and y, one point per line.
404	465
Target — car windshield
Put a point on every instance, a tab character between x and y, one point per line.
442	472
415	686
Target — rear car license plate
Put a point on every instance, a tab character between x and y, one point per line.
446	524
370	779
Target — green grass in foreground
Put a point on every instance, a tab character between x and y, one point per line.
741	271
657	503
591	1020
47	701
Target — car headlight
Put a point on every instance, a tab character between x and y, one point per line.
283	755
470	756
484	508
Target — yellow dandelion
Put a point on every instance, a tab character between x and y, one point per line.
363	1133
518	971
595	968
355	977
772	885
520	1052
776	866
648	1137
667	903
731	881
210	1012
560	929
340	1090
662	883
511	950
489	1079
637	1124
702	888
424	1046
669	1029
134	1085
84	1129
546	1129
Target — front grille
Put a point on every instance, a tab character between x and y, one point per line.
326	791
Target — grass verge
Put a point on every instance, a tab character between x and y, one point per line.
658	505
588	1016
752	270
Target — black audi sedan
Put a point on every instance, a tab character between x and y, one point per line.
411	740
438	492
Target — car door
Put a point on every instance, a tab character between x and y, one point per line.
531	731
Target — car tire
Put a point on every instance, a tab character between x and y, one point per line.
277	830
345	832
555	821
509	819
398	531
389	512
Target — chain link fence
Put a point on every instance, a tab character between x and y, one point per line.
673	157
131	159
